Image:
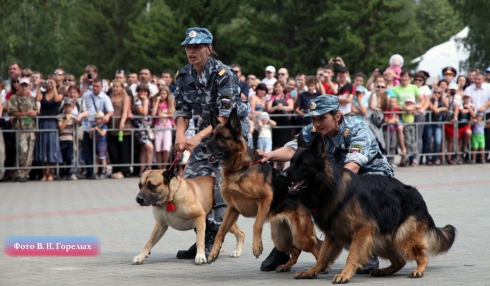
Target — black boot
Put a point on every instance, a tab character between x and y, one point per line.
274	259
210	234
369	266
188	254
212	228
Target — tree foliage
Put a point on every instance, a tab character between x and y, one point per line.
296	34
474	14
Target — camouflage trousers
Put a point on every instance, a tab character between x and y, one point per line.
26	141
198	166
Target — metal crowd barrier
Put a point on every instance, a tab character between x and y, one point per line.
78	164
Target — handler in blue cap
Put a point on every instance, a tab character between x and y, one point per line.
349	142
204	84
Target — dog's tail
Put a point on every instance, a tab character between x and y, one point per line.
441	239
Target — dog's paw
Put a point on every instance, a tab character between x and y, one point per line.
283	268
416	274
213	255
301	274
325	271
137	260
340	279
200	258
235	254
377	272
257	248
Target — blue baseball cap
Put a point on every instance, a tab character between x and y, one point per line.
197	35
323	104
360	88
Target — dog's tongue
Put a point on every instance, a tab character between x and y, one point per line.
295	185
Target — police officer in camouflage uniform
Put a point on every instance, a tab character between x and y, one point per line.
349	142
203	85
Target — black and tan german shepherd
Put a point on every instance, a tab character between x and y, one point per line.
256	190
365	214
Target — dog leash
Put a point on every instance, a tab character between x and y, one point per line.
175	160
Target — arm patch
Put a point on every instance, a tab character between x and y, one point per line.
355	149
226	101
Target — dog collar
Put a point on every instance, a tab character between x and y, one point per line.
226	173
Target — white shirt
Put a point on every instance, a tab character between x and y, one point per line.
479	96
269	81
345	108
425	91
152	87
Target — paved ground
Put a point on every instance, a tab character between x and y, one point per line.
459	195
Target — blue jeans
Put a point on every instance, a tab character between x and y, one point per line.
264	144
432	131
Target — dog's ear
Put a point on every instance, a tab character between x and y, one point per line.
234	122
214	119
168	176
318	144
301	141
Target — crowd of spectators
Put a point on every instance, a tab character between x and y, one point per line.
85	126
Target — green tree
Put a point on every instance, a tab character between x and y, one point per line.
438	21
474	14
157	35
98	34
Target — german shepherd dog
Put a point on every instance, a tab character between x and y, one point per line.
257	190
365	214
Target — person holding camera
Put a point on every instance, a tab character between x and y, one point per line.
47	148
87	80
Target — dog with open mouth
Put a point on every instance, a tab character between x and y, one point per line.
256	190
365	214
182	204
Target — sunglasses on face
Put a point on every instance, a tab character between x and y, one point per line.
15	82
59	73
26	75
380	86
437	92
160	84
120	71
418	79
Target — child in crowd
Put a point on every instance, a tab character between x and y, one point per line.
478	137
163	105
409	130
302	104
396	65
99	131
391	118
360	103
265	125
466	113
66	125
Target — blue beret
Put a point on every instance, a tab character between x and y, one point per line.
323	104
197	35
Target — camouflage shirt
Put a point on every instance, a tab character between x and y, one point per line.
18	103
355	143
215	89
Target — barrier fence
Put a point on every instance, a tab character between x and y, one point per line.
77	142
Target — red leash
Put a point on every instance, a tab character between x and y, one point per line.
175	160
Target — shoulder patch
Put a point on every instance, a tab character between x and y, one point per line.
226	101
222	72
346	132
355	149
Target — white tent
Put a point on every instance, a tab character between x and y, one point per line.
451	53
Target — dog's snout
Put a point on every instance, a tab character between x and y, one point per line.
140	199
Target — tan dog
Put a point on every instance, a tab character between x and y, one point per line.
192	200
